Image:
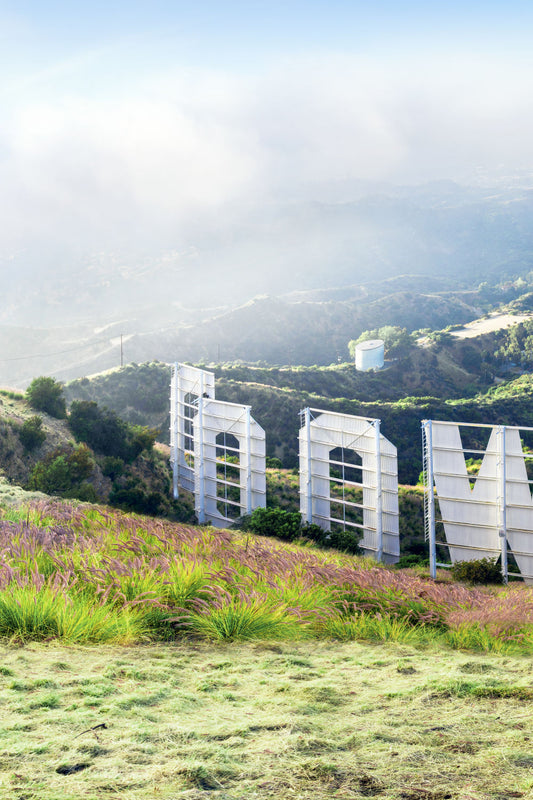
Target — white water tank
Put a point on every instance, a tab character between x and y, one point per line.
369	355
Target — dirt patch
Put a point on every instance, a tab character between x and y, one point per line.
335	778
493	323
71	769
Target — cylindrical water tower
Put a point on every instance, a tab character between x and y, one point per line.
369	355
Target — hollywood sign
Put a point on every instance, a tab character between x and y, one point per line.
349	476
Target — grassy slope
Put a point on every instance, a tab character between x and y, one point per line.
309	721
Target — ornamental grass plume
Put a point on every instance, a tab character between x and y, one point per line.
168	579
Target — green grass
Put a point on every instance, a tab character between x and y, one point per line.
253	619
87	574
241	721
26	615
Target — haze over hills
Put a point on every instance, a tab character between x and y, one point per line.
272	330
330	270
462	234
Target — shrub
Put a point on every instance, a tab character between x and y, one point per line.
142	437
31	433
51	476
288	525
46	394
113	467
106	433
347	541
134	498
100	428
482	570
273	463
312	531
81	463
64	472
412	560
275	522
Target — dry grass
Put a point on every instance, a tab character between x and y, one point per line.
313	720
13	495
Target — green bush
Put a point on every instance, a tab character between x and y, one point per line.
64	472
31	433
288	525
275	522
133	498
271	462
46	394
347	541
51	476
113	467
482	570
412	560
106	433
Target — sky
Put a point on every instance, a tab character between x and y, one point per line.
126	123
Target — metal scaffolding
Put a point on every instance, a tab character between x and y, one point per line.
229	454
481	515
217	449
187	386
349	479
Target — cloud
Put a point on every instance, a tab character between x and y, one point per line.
165	150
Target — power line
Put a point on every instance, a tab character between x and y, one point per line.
123	337
57	352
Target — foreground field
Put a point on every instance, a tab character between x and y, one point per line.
313	720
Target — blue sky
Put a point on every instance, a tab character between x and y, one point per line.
222	32
120	115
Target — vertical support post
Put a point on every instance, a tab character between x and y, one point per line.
430	496
248	462
174	430
502	502
309	486
379	494
200	466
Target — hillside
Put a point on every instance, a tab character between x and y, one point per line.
427	384
122	471
464	235
303	328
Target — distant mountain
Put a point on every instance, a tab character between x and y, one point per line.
268	329
461	235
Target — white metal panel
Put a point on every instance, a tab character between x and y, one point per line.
479	521
325	431
519	504
187	385
216	417
470	515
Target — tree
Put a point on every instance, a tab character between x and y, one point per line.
64	472
106	433
46	394
31	434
